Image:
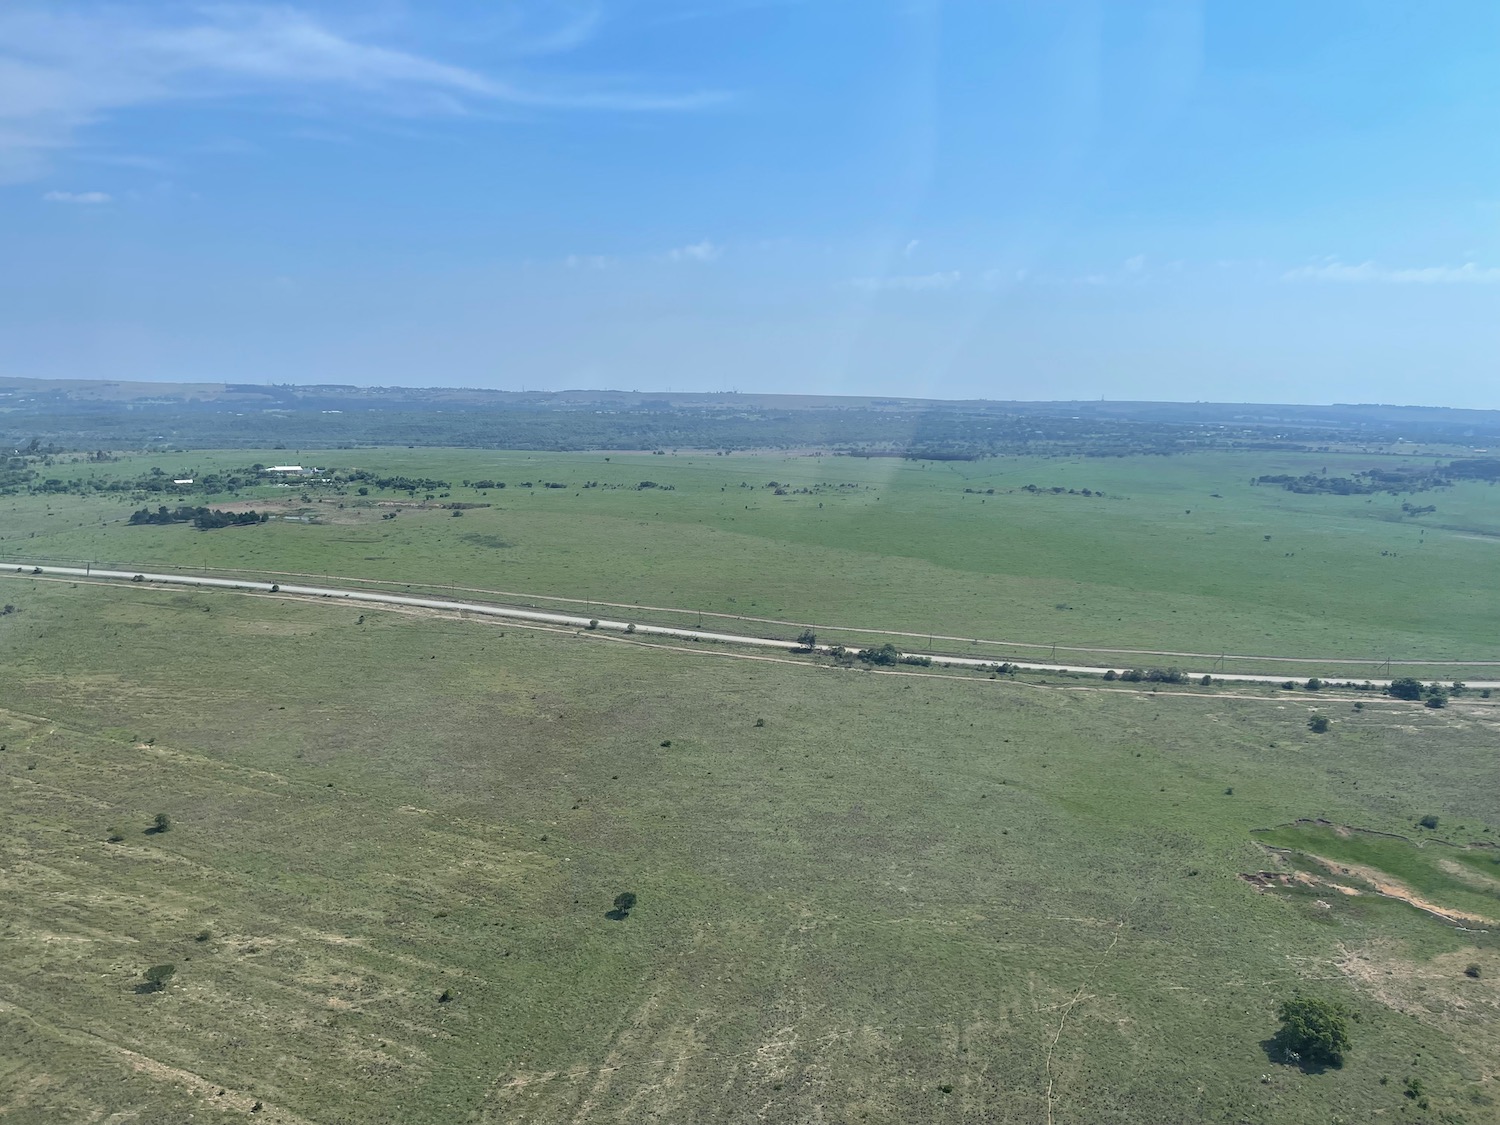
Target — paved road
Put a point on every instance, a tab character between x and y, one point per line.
515	613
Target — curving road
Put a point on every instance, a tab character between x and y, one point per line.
515	613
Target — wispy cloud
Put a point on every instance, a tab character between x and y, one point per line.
67	66
997	278
84	197
588	261
704	251
1331	269
911	283
911	248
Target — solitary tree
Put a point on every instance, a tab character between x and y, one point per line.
624	904
157	977
161	822
1318	724
807	638
1314	1032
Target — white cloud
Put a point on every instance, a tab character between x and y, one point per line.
588	261
65	68
911	283
704	251
86	197
1331	269
911	248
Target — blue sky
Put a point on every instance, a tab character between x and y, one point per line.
1281	201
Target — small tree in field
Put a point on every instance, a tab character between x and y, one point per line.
161	822
807	639
1318	724
1313	1032
157	977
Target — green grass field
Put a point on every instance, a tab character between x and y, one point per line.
861	897
1181	553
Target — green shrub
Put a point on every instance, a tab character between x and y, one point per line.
886	654
1405	688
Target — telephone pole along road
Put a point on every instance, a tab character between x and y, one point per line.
488	609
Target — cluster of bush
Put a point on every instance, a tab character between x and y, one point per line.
203	519
1393	481
884	656
1435	694
1149	675
397	483
1059	490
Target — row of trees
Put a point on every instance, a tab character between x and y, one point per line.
1149	675
203	519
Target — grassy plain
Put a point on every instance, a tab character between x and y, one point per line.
861	897
1180	553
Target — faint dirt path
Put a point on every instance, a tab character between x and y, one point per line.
507	612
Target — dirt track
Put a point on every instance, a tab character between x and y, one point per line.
490	609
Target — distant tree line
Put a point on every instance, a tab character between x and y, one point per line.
396	483
1394	481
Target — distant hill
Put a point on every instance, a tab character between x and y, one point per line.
88	413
